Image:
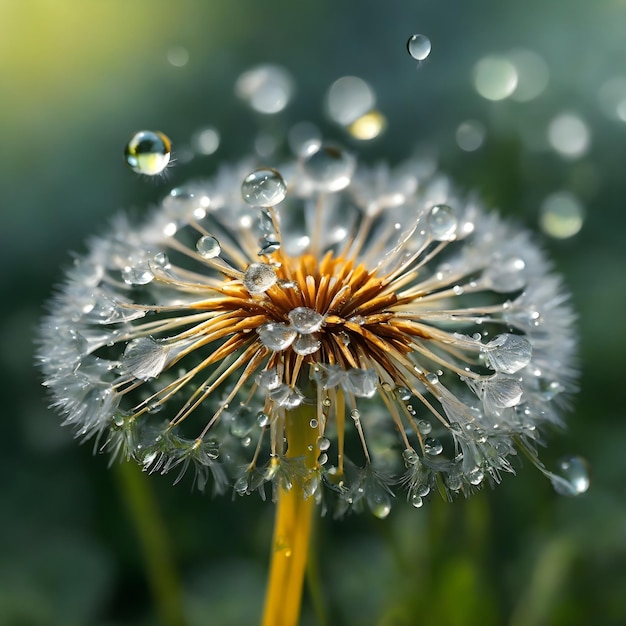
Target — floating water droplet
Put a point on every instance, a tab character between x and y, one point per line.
276	336
267	88
442	222
306	344
432	446
259	277
155	407
574	478
148	152
144	358
508	353
305	320
329	168
208	247
419	47
264	187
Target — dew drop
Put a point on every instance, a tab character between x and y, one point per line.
442	222
329	168
264	187
148	152
355	415
419	47
506	275
161	261
322	458
306	344
326	401
508	353
503	392
313	423
208	247
305	320
417	501
323	443
276	336
268	244
263	419
574	478
454	482
144	358
432	378
378	501
267	88
432	446
137	274
425	427
259	277
410	457
404	394
475	476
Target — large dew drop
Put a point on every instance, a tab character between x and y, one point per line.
259	277
305	320
442	222
506	275
508	353
503	392
148	152
144	358
208	247
574	478
276	336
419	47
264	188
329	168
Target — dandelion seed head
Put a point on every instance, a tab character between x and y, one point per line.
425	341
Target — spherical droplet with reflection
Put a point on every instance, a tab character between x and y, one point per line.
329	168
574	476
264	187
148	152
419	47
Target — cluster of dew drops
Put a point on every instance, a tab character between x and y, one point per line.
148	152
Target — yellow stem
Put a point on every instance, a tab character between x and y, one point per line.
292	527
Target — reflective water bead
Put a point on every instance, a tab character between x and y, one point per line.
137	274
454	482
442	222
424	427
574	476
378	500
322	458
432	446
306	344
208	247
404	394
276	336
329	168
506	275
323	443
410	457
259	277
503	392
313	423
148	152
417	501
263	419
362	383
419	47
268	244
161	261
475	476
508	353
305	320
432	378
268	379
264	187
144	358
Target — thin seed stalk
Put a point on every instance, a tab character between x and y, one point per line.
292	528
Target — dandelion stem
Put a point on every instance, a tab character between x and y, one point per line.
292	528
152	534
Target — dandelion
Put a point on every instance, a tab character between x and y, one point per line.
324	333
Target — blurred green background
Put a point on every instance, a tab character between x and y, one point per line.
78	78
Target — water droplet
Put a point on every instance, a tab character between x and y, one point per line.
417	501
259	277
470	135
268	244
264	187
161	261
475	476
305	320
432	446
503	392
362	383
148	152
569	135
263	419
432	378
313	423
562	215
419	47
267	88
323	443
480	435
144	358
268	379
410	457
574	478
322	458
137	274
329	168
326	401
454	482
155	407
276	336
404	394
424	427
549	389
378	500
508	353
118	420
442	222
306	344
208	247
348	98
506	275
